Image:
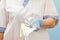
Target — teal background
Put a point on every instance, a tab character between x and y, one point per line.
55	32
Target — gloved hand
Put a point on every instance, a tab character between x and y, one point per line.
36	23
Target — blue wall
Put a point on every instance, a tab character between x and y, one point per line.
55	32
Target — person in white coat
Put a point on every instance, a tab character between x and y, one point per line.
11	19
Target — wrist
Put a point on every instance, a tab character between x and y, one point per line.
49	23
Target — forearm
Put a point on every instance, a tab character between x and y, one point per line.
49	23
1	35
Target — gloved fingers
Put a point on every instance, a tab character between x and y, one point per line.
37	27
34	22
29	25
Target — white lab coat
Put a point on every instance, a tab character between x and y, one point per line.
39	8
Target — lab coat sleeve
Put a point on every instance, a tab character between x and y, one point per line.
2	21
50	10
2	17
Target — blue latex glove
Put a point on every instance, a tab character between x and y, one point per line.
38	23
